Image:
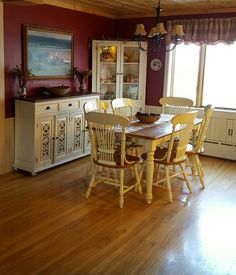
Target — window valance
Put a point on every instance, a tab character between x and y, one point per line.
205	30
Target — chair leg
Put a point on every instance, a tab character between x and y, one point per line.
192	164
157	170
186	177
121	188
138	186
91	183
142	169
174	168
199	170
168	185
200	165
115	177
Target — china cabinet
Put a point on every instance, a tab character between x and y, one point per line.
49	132
119	70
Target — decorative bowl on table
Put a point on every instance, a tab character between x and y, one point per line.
58	90
147	117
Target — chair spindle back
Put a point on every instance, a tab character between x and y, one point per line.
175	105
103	129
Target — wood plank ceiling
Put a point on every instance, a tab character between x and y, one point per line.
138	8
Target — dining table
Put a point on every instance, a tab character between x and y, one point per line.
150	135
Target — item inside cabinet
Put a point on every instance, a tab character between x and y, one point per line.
111	79
131	92
132	56
109	95
130	78
108	54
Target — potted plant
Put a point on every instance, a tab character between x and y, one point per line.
23	75
82	76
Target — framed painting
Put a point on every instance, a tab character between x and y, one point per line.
48	53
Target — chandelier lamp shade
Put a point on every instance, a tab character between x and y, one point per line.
157	34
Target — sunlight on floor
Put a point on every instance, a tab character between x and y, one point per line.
217	227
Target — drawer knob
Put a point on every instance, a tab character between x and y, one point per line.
48	108
70	104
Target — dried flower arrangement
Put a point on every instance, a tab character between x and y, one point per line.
82	76
23	75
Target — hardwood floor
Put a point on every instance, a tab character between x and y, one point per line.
47	227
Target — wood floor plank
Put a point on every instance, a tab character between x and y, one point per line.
47	227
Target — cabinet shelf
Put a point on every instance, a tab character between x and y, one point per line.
130	83
131	63
107	63
107	83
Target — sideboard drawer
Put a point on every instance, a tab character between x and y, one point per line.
46	108
69	105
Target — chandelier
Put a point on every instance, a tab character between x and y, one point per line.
157	34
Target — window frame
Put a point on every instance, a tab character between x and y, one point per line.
169	76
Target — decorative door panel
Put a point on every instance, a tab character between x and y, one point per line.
61	136
76	124
45	134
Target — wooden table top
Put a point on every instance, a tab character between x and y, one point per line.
153	131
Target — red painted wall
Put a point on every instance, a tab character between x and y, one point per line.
84	27
155	80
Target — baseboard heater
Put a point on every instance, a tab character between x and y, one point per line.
220	150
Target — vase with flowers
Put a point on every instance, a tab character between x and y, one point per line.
23	75
82	76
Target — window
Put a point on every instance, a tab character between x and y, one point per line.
206	74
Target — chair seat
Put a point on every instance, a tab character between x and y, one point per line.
160	153
131	160
191	149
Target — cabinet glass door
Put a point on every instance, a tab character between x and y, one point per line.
130	71
108	56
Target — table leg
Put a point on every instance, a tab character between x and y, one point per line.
149	176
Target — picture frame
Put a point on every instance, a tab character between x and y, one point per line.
48	53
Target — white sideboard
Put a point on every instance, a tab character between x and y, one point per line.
49	132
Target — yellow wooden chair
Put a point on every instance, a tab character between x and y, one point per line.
102	129
196	148
127	107
174	153
124	106
175	105
95	106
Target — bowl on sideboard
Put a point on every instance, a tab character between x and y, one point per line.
58	90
